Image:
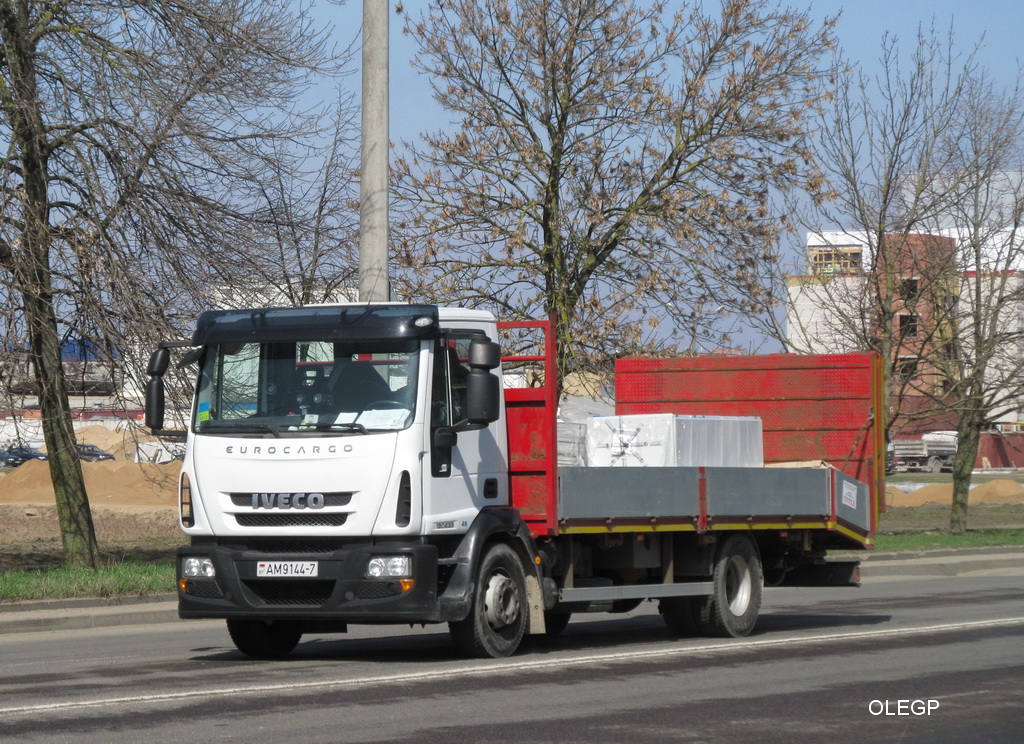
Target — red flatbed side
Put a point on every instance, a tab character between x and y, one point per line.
812	408
531	414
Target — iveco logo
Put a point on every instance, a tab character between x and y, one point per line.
287	501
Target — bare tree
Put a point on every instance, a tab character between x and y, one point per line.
917	161
881	147
306	229
609	162
136	132
986	324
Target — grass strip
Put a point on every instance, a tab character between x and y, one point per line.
126	579
914	541
137	578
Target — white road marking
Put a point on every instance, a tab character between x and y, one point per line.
515	665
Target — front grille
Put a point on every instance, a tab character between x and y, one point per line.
291	520
300	545
304	592
337	498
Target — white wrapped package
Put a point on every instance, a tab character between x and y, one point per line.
666	440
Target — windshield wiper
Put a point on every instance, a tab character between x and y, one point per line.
242	426
343	426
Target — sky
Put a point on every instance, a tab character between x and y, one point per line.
997	24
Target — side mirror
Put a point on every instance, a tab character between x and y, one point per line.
483	397
155	402
159	361
485	355
483	390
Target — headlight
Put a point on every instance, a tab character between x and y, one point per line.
389	567
198	567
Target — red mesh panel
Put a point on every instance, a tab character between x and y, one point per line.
815	407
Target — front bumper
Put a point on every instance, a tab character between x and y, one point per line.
340	593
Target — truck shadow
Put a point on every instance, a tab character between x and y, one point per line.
773	623
433	645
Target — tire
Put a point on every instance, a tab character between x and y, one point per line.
497	618
738	582
934	465
678	614
262	639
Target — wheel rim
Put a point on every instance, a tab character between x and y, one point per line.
501	601
738	586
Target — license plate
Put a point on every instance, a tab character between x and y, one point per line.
303	569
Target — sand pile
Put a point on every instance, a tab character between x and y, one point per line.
109	483
999	491
120	443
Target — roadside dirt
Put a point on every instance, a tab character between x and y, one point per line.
134	509
998	491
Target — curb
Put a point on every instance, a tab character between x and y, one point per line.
940	562
83	614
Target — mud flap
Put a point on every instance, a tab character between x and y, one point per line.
832	573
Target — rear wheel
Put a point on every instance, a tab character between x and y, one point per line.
497	619
731	609
265	639
934	465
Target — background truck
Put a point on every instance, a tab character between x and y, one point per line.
927	454
365	464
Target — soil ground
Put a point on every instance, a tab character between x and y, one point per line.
134	509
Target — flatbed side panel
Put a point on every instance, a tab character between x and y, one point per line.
531	415
625	493
813	407
757	492
619	499
529	456
853	503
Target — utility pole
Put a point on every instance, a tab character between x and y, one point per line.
374	283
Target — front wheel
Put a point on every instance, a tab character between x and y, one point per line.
264	639
738	582
497	619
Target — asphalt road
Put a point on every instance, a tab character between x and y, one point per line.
910	659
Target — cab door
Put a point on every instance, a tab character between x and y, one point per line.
466	475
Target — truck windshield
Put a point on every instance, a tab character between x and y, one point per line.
307	386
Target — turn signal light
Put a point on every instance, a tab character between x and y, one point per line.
406	584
